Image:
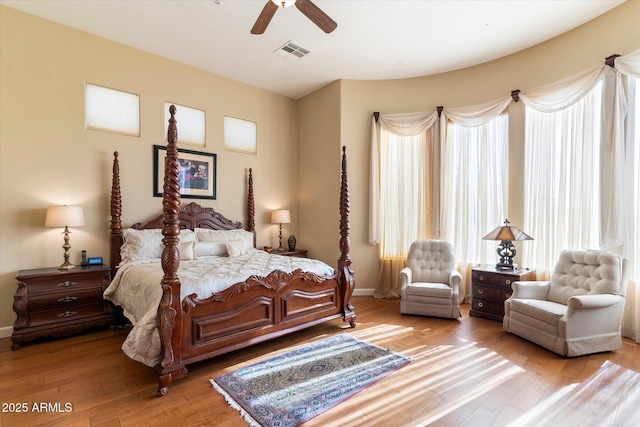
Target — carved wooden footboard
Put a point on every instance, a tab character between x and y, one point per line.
256	310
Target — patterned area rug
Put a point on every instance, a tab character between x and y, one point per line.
292	388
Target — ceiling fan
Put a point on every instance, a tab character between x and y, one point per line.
307	7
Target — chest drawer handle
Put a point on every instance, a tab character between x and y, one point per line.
481	278
480	304
67	314
67	299
508	282
507	295
481	291
66	284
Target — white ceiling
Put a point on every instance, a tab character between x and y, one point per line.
374	39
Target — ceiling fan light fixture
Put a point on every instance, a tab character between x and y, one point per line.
307	7
281	3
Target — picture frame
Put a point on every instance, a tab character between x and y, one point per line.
197	173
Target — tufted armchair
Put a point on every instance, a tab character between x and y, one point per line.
579	311
430	282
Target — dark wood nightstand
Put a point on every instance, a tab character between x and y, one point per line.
300	253
491	287
51	302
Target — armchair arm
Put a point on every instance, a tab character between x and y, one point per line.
405	277
455	278
592	315
530	290
591	302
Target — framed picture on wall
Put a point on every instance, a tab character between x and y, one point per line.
197	173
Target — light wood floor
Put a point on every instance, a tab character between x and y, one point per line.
465	373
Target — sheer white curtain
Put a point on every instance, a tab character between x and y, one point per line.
474	181
629	68
401	192
562	175
581	144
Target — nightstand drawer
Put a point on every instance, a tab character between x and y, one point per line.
57	284
491	308
485	278
491	292
38	318
65	299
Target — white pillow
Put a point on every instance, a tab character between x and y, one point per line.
147	244
206	235
186	250
235	248
210	249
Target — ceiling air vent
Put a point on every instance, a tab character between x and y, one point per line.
291	51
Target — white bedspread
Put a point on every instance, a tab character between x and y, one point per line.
136	288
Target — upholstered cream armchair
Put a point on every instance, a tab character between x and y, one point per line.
579	311
430	283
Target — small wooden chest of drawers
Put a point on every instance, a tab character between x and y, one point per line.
52	302
299	253
491	287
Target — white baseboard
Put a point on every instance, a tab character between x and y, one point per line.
6	332
363	292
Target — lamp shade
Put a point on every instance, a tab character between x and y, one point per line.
280	217
63	216
507	232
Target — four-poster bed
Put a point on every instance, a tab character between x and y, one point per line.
260	307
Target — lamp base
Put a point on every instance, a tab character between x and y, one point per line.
66	266
501	266
507	252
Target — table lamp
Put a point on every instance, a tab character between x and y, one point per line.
65	216
280	217
506	234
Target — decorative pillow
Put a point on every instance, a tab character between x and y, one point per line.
206	235
186	250
210	249
235	248
147	244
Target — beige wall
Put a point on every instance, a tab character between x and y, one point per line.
615	32
48	158
319	180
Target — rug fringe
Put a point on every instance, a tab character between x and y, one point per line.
248	418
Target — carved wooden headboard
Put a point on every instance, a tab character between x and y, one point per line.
190	216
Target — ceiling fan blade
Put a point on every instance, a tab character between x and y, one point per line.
317	16
264	18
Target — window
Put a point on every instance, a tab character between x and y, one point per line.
632	252
475	172
562	172
405	197
192	124
112	110
240	135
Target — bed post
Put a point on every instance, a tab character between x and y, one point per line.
344	263
116	215
169	316
251	208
